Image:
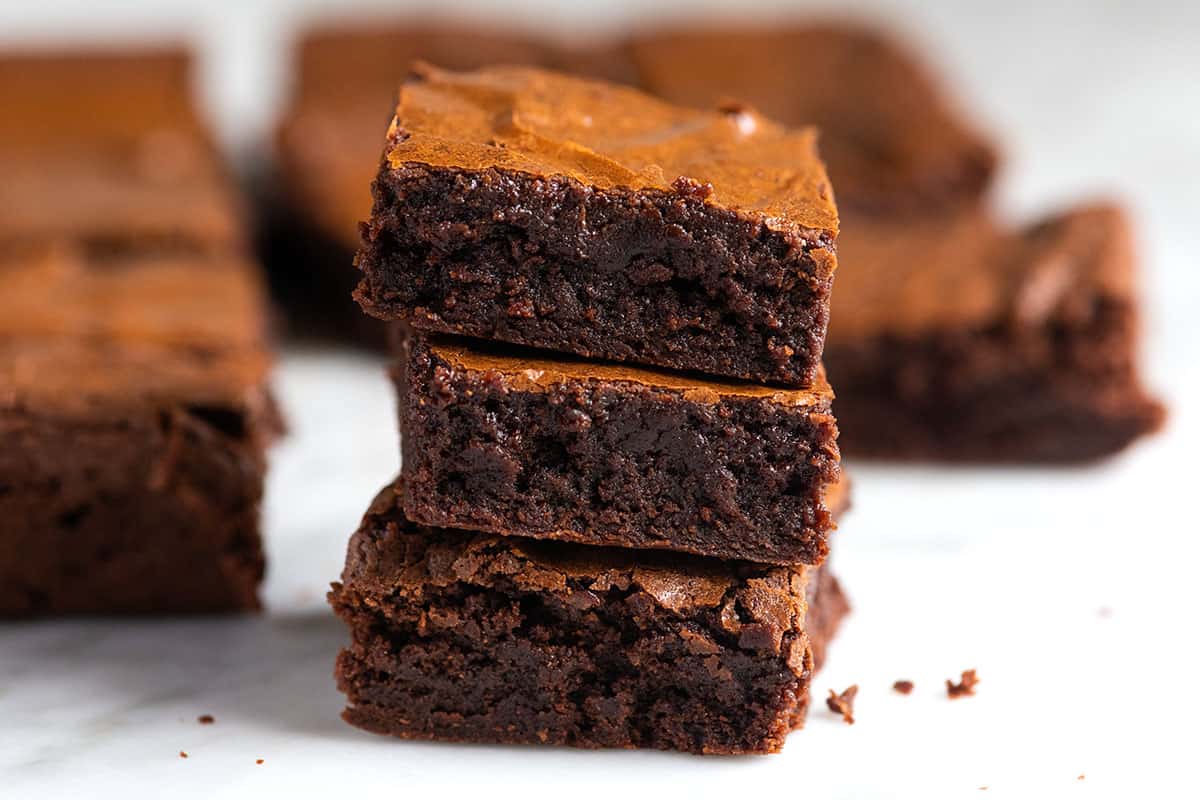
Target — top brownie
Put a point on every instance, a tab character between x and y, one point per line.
574	215
891	138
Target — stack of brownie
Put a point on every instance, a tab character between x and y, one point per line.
620	469
133	402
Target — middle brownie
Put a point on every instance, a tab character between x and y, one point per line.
508	442
582	217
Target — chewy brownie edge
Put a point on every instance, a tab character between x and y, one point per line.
650	277
469	637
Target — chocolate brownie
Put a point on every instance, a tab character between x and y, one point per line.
327	153
134	414
891	138
106	149
464	636
955	339
578	216
552	447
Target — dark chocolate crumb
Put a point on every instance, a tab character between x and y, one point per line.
206	719
903	687
182	754
964	687
843	703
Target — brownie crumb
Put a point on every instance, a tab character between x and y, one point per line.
690	187
903	687
206	719
843	703
182	754
964	687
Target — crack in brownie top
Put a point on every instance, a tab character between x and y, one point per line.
604	136
527	371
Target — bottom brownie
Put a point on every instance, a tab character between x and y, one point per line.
471	637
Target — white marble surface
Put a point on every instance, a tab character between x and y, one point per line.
1071	591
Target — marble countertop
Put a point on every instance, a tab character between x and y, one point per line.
1069	590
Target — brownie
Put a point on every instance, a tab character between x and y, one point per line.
327	153
579	216
134	412
893	141
956	339
106	149
470	637
525	444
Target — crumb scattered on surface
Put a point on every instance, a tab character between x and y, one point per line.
903	687
206	719
966	686
843	703
258	761
182	754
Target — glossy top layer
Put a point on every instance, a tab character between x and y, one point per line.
533	372
82	334
606	136
900	278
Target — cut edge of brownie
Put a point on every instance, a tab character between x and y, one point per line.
646	276
470	637
519	446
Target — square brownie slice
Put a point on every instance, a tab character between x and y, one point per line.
892	138
955	339
578	216
462	636
134	414
524	444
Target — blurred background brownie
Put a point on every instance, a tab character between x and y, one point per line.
133	358
892	139
135	413
464	636
106	149
955	339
